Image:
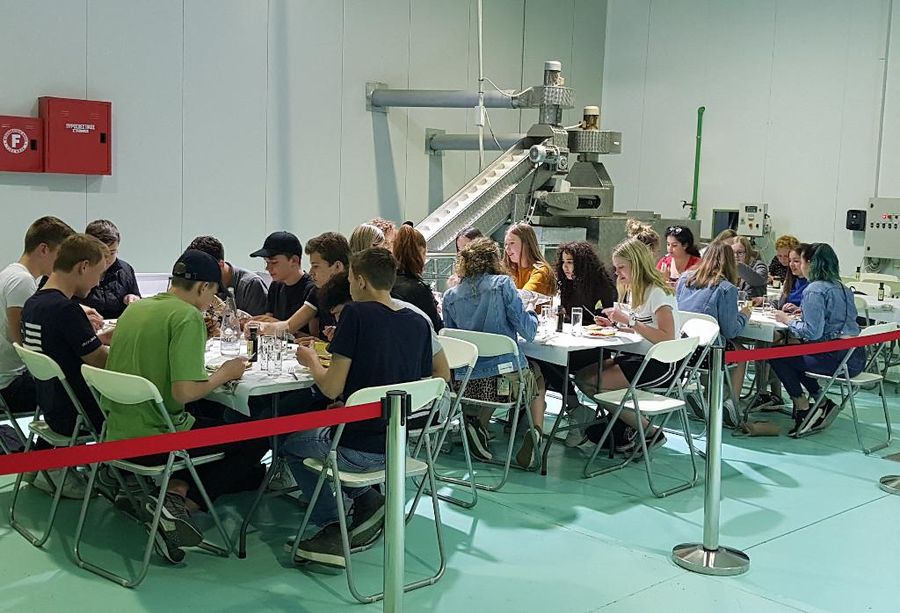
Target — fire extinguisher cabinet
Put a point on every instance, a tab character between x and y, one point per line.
21	144
77	135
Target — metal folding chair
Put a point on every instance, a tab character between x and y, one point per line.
849	386
460	354
489	346
13	424
44	368
422	393
127	389
644	403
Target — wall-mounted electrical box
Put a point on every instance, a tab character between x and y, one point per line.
883	228
78	135
752	219
21	144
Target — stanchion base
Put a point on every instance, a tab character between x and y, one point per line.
890	484
722	562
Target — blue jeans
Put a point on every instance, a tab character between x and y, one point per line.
317	444
792	371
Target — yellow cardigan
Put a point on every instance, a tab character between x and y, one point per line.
535	279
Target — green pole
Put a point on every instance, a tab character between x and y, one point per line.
700	111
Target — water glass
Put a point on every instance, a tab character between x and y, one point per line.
230	338
577	314
548	314
742	300
275	357
265	346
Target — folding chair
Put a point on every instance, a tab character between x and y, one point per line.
492	345
423	393
706	330
44	368
127	389
849	386
460	354
648	404
13	424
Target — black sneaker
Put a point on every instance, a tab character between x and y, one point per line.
799	418
166	544
324	548
176	518
525	455
828	415
627	441
368	519
478	445
811	416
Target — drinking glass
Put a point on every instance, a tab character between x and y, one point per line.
275	357
742	300
230	337
576	316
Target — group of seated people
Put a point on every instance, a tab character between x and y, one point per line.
366	297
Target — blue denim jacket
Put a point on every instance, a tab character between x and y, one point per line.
489	303
828	313
719	301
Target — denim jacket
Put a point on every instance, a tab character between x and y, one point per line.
719	301
489	303
828	313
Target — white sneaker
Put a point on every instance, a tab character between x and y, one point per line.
74	487
730	415
282	480
579	415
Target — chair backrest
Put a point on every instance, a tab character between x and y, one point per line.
879	329
41	367
876	277
460	353
489	345
120	387
669	352
423	392
869	288
700	326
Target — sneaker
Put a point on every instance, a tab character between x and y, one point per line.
730	415
525	455
176	518
696	407
627	442
325	548
166	544
829	413
74	486
579	415
810	417
282	480
799	418
654	440
478	445
368	519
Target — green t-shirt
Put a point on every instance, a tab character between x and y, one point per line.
162	339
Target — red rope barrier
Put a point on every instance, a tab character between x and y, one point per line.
789	351
188	439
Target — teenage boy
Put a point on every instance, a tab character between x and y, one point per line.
375	343
118	288
18	282
290	285
57	326
250	291
329	254
163	339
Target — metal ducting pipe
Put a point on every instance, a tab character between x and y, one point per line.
440	98
469	142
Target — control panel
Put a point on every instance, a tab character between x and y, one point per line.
883	228
752	219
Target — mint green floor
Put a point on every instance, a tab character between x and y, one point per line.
820	534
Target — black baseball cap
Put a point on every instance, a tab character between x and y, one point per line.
195	265
279	243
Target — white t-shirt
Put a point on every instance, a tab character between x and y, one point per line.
654	300
16	286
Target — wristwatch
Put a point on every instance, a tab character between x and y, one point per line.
632	320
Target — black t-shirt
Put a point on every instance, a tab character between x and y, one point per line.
325	318
285	300
386	347
57	327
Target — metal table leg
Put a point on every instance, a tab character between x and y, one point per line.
270	473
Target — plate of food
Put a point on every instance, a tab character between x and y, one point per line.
595	330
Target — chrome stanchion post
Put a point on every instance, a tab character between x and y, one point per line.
397	404
708	557
890	484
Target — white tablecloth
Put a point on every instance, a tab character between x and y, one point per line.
761	327
556	347
255	382
887	310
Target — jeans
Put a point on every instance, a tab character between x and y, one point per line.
792	371
317	444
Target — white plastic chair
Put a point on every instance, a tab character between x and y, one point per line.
849	386
877	277
133	390
460	354
492	345
650	405
43	368
422	393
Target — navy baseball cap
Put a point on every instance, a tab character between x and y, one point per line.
279	243
195	265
